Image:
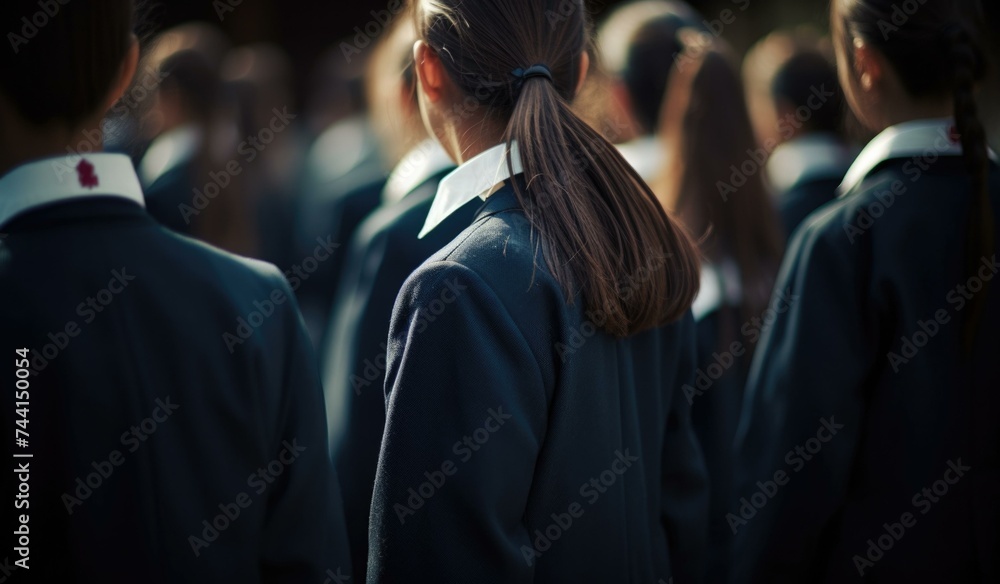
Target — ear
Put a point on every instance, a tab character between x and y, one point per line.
584	69
430	72
125	74
868	66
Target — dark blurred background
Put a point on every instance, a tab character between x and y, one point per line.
306	27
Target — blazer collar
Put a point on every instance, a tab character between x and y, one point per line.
54	180
915	139
420	165
477	177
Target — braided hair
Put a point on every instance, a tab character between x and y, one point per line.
937	53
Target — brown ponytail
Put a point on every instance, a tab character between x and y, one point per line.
601	230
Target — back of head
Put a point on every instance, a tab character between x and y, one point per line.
647	71
518	64
704	102
937	53
63	58
620	27
638	43
795	86
782	74
190	77
391	91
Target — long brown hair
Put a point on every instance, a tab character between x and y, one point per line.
708	133
937	53
596	221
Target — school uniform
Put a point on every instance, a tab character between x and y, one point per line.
805	174
167	175
165	377
716	394
384	253
861	402
504	402
343	183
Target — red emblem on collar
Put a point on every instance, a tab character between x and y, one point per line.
953	134
85	172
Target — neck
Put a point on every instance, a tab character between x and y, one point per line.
22	142
917	111
466	141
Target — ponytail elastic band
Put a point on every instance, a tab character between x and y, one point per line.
532	72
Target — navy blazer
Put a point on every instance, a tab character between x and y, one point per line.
176	415
800	201
521	443
384	253
870	442
331	218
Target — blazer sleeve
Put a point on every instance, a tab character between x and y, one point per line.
807	382
685	478
465	417
305	537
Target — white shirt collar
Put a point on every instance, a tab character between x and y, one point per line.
646	155
63	178
914	139
811	157
475	178
417	167
168	151
720	286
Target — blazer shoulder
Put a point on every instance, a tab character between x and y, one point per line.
239	274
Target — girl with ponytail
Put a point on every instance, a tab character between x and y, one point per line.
886	359
537	429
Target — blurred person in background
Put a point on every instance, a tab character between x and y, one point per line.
258	78
183	124
639	44
875	394
334	208
384	252
798	111
138	121
706	131
163	431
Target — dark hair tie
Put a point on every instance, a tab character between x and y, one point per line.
523	75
